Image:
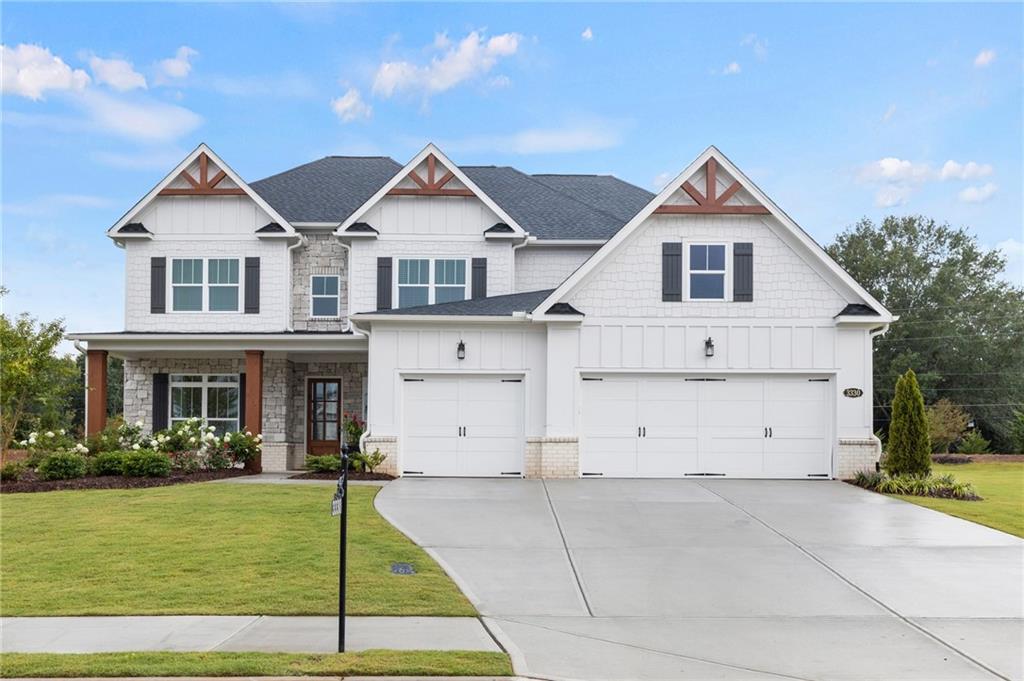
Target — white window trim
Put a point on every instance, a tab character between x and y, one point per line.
726	273
204	385
431	286
205	285
337	297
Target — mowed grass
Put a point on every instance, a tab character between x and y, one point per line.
214	549
1001	485
364	663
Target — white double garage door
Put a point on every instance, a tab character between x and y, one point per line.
629	426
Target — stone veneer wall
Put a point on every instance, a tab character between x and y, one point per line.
552	457
352	375
854	455
324	254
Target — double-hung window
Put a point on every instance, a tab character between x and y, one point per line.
422	281
212	398
707	280
324	295
217	291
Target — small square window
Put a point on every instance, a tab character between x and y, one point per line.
707	272
324	298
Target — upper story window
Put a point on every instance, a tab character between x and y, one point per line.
422	281
213	398
707	273
216	292
324	290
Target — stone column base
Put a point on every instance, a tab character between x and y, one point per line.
857	454
388	446
552	457
277	456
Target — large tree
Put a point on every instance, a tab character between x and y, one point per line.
36	383
961	326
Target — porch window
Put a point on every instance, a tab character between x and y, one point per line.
212	398
218	292
324	295
707	272
425	282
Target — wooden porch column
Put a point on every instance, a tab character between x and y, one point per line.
95	391
254	400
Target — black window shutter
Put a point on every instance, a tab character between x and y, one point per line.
157	285
161	404
252	286
672	271
383	283
743	272
241	402
479	278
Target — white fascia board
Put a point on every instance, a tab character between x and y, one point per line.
862	320
462	319
198	343
410	166
314	225
566	242
831	266
232	175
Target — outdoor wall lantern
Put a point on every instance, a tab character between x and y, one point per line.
709	347
460	350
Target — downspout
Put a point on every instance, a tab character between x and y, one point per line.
366	431
85	387
874	333
527	239
303	242
348	291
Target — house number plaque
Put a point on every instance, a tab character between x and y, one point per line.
853	392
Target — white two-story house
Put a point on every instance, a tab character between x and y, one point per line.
487	322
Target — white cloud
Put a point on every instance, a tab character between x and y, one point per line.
588	34
964	171
758	45
178	66
145	159
889	113
892	195
31	70
984	58
731	69
473	56
144	120
53	203
117	73
291	84
978	194
893	169
660	180
582	136
350	106
1013	250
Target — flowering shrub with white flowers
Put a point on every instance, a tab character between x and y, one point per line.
194	446
41	444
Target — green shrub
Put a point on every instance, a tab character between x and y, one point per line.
908	451
1017	431
186	462
868	479
942	486
973	443
241	447
372	460
62	466
328	463
109	463
145	463
12	471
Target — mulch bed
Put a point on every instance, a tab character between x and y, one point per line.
352	475
30	483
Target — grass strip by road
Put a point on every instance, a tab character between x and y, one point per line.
1000	484
363	663
210	549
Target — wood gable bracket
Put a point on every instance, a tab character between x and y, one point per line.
432	186
204	185
711	203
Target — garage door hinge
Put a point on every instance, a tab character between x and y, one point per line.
817	475
818	380
705	475
511	380
413	380
587	378
412	472
511	472
590	474
705	379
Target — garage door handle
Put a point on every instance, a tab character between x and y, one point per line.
766	431
769	431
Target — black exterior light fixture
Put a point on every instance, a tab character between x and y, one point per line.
709	347
460	350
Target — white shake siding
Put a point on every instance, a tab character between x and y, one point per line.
543	267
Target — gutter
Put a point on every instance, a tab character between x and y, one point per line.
512	271
303	242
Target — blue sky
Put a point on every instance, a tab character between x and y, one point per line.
836	111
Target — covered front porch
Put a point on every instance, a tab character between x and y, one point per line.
296	388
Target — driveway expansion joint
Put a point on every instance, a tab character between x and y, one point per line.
568	553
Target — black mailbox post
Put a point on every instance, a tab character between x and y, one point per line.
339	507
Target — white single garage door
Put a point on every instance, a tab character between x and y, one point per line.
462	426
672	426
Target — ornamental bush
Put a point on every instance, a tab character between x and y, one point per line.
62	466
973	443
908	451
109	463
323	464
145	463
12	472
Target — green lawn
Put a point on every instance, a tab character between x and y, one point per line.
1001	485
215	549
364	663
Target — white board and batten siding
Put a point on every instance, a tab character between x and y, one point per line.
205	227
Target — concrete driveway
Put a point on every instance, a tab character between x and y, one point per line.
722	579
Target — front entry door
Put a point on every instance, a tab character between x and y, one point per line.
323	430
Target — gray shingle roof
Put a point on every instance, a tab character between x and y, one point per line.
494	306
328	190
858	310
547	206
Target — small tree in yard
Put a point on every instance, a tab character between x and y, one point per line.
946	424
908	451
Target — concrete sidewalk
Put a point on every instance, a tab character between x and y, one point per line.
284	478
239	633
